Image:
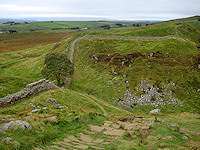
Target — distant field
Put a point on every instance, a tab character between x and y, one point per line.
19	41
51	26
46	32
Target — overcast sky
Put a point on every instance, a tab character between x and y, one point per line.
112	9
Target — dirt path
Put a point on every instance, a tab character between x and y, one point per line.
104	111
176	29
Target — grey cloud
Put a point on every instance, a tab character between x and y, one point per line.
118	9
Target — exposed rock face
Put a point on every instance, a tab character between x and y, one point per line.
30	90
152	96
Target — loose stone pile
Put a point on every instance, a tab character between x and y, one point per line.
152	96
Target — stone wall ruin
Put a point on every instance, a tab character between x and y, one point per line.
30	90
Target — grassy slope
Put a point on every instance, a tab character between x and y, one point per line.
77	115
98	76
88	75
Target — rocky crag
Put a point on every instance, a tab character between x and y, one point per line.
30	90
153	96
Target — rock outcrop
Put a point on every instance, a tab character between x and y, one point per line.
153	96
30	90
12	124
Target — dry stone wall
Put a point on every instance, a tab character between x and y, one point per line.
30	90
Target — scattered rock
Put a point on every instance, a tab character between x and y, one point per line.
51	100
185	137
113	71
2	87
155	111
35	110
174	128
153	137
51	119
45	108
7	139
16	144
29	117
167	138
58	106
183	130
2	132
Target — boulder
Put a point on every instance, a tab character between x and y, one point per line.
13	125
155	111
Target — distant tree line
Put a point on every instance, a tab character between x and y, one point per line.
105	26
73	28
140	24
15	23
12	31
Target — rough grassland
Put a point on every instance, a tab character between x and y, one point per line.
20	41
174	60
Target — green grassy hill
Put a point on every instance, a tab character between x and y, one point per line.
109	67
